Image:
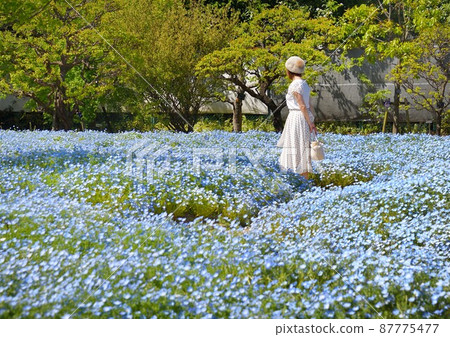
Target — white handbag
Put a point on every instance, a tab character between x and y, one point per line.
317	152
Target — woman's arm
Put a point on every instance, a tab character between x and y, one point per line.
302	105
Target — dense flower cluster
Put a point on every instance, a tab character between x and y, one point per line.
225	235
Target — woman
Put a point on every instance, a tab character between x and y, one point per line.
296	137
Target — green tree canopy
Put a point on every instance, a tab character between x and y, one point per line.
388	30
55	58
428	61
254	60
164	41
248	8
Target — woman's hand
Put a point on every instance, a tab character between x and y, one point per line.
312	128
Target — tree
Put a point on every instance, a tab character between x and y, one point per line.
382	32
163	41
247	8
254	60
20	11
428	60
386	31
55	58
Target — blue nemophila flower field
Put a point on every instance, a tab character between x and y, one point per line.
215	230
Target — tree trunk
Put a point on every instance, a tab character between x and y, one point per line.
189	116
262	96
276	111
108	122
63	115
237	111
62	118
395	118
439	121
277	121
179	123
408	121
55	125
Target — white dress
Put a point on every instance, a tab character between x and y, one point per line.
296	137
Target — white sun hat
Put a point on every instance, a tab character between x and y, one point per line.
295	65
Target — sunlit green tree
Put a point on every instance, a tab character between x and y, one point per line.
163	41
428	61
55	58
254	61
388	30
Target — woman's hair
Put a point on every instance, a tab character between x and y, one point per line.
291	74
